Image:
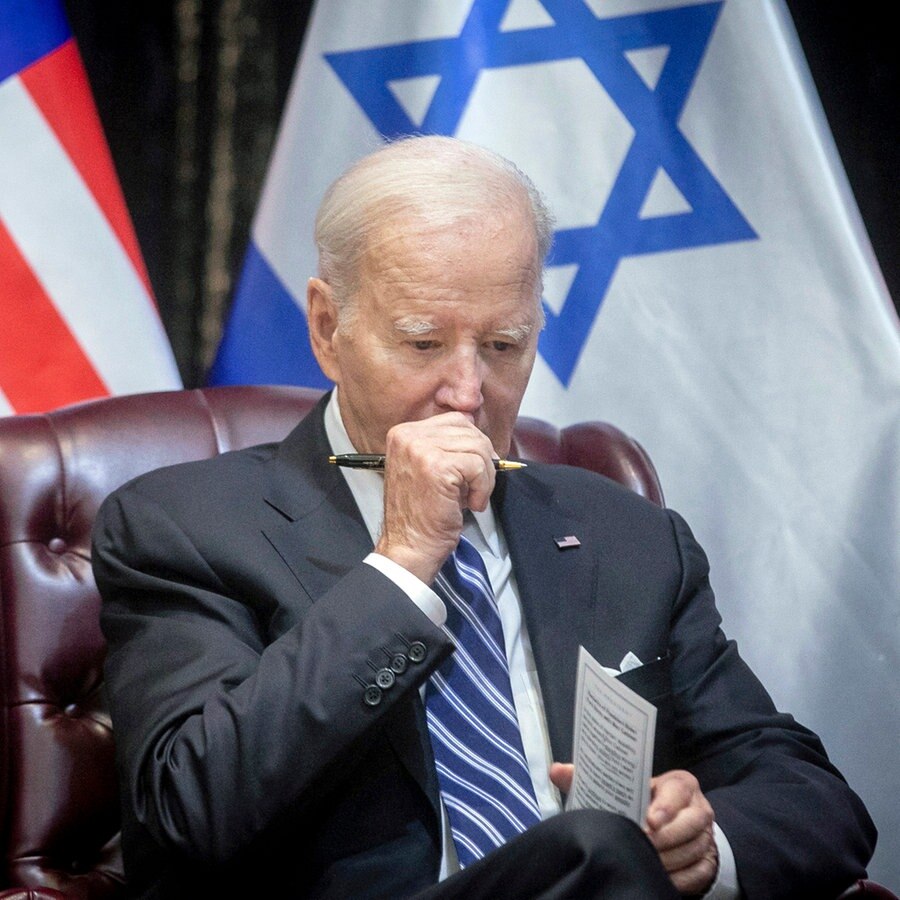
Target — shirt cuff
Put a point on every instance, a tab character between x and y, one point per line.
725	887
414	588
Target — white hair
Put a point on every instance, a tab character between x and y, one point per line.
438	181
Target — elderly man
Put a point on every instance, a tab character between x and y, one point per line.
287	664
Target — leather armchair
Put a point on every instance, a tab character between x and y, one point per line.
58	792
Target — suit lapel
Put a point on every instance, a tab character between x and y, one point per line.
315	526
318	531
556	590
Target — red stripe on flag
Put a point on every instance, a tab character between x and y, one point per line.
58	84
42	366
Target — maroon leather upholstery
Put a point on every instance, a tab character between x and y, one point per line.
58	795
591	445
34	894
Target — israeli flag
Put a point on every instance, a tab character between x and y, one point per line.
711	291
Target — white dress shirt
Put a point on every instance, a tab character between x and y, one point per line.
483	531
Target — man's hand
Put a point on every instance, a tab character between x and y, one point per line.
679	825
435	469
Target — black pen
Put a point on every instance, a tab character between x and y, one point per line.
376	461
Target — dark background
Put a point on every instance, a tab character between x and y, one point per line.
190	93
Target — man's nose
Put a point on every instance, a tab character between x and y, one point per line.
460	388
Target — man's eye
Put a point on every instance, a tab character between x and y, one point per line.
424	345
501	346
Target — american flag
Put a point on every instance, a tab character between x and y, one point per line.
77	314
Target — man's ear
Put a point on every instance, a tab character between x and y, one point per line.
322	319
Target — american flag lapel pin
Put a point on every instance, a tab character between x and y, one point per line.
567	542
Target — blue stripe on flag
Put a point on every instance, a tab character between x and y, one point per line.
29	29
266	340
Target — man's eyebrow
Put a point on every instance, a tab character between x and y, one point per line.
410	326
415	327
516	332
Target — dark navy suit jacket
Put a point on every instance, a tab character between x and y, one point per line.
244	629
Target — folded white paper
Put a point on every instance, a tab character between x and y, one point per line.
613	745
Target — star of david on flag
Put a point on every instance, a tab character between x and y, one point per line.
375	76
648	89
711	291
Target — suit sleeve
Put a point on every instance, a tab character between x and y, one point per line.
220	730
794	825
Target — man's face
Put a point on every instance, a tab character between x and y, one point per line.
444	321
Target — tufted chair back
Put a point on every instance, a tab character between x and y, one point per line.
58	794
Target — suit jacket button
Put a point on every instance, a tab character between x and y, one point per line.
399	663
372	695
384	678
417	651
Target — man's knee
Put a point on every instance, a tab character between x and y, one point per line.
585	854
590	830
604	848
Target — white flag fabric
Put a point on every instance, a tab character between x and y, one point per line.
711	290
77	310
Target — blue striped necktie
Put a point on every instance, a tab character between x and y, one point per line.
484	779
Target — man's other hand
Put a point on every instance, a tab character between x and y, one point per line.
679	824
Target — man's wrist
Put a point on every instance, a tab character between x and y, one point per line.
725	884
414	588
